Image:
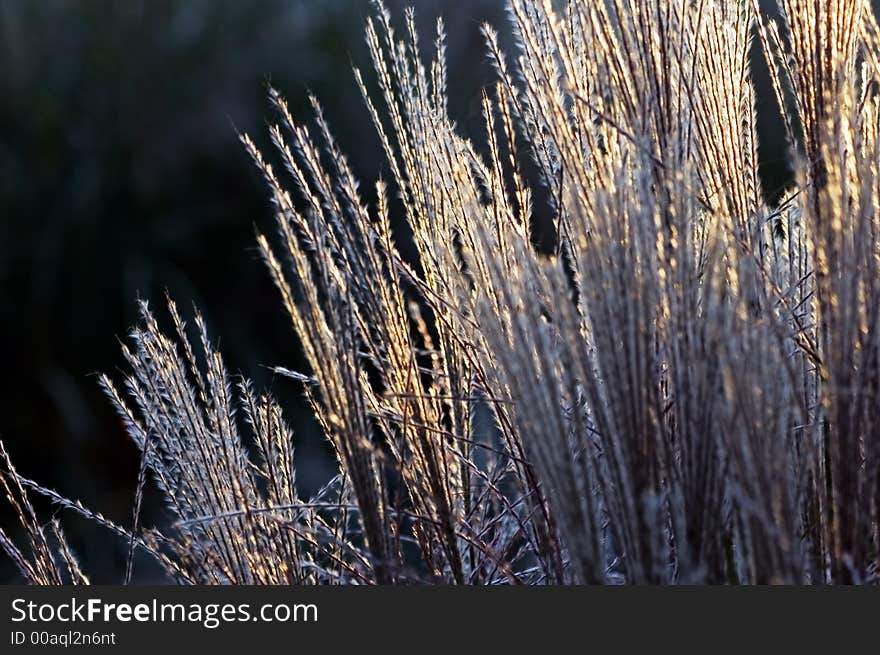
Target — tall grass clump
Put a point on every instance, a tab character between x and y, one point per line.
685	390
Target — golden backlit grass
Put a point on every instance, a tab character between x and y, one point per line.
686	390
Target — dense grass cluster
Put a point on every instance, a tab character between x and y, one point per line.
686	390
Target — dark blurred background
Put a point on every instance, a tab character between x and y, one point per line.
121	176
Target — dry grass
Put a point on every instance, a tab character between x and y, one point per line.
686	390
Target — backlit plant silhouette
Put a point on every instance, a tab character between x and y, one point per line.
686	389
